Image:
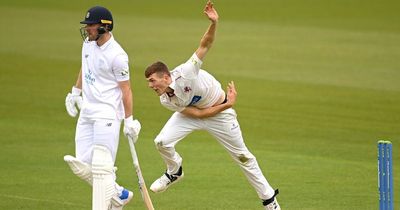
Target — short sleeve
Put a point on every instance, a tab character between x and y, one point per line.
120	67
174	108
167	104
191	68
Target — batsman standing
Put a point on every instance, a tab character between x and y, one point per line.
106	100
199	103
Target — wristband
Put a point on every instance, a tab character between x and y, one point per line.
130	119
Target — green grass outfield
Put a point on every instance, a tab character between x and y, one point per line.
318	85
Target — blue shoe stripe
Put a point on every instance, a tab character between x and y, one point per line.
124	194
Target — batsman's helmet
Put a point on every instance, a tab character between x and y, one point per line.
101	15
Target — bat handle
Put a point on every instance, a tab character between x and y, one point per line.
133	151
142	186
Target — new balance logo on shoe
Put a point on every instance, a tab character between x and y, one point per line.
166	180
174	177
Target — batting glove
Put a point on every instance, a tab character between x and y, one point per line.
132	128
73	98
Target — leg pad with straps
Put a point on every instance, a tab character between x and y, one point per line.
103	179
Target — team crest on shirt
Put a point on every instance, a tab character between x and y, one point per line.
124	72
89	77
187	89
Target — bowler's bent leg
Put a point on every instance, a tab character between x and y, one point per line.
177	127
225	128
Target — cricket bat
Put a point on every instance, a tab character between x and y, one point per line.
142	184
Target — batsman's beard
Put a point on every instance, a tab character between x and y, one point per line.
85	35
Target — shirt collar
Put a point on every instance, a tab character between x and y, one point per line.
173	84
102	47
174	77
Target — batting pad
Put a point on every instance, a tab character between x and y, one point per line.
103	179
79	168
84	171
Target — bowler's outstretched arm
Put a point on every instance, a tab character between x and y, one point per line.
208	38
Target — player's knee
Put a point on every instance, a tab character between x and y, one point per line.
159	142
102	162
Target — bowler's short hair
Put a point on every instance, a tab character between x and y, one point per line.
158	67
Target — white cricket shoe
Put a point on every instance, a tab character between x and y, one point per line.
166	180
272	203
117	203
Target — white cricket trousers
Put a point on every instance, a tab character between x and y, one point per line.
225	128
96	131
90	132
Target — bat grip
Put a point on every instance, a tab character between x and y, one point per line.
133	152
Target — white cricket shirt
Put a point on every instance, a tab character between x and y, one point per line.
102	68
192	87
